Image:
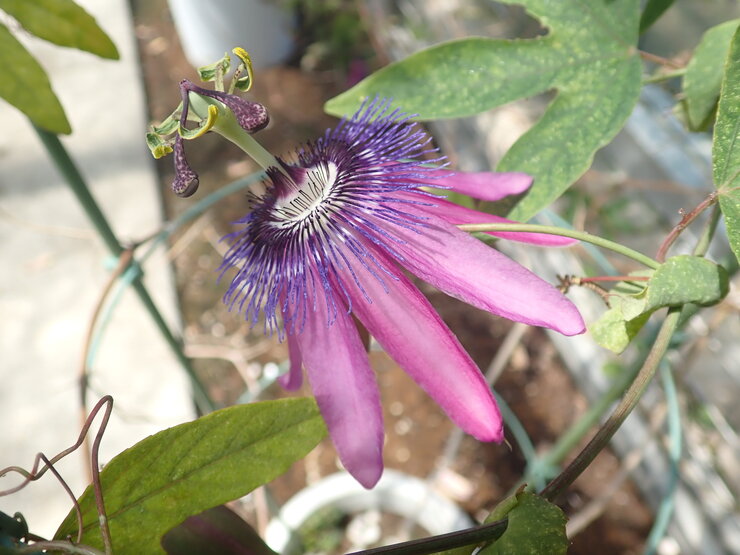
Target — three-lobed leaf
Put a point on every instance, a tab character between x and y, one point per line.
24	84
63	23
703	78
726	145
589	57
182	471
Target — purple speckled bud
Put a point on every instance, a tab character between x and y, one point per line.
186	180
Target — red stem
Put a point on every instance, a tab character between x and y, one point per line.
683	224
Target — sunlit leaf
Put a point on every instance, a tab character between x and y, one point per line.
589	57
703	78
61	22
726	146
24	84
182	471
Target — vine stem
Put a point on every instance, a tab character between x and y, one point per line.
660	77
658	59
76	182
621	412
443	542
572	233
683	224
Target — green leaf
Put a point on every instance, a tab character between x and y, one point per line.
703	78
162	480
726	146
24	84
614	331
589	56
536	526
652	12
61	22
687	279
217	531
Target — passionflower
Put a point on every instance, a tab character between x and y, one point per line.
328	243
326	247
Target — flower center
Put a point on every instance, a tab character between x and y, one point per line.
307	196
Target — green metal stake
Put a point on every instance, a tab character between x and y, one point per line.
74	179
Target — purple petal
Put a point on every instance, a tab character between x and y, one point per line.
456	215
294	378
413	334
465	268
344	385
481	185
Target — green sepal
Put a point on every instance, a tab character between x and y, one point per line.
158	147
171	124
216	71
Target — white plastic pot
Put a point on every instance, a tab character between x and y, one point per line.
208	29
396	493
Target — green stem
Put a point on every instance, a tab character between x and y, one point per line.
227	126
660	77
625	407
580	235
702	246
436	544
76	182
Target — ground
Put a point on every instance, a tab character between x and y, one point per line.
535	384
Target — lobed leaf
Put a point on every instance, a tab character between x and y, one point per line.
536	526
63	23
589	56
703	78
24	84
726	145
182	471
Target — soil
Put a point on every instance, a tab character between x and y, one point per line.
535	384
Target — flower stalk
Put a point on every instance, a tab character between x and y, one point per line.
572	233
76	182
